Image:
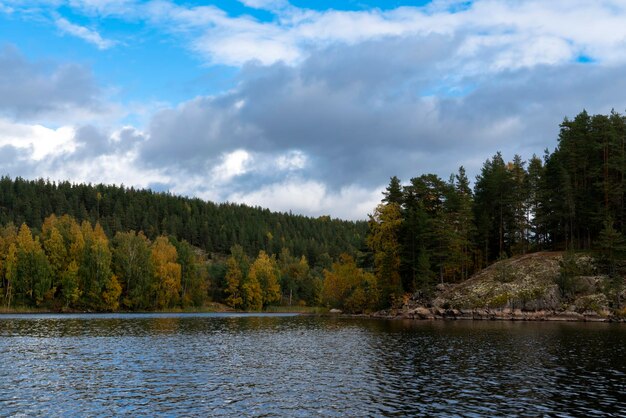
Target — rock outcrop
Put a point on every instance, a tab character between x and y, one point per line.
522	288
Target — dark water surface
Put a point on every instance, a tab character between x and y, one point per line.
280	365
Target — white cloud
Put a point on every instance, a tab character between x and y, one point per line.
336	101
83	33
117	168
266	4
510	33
232	164
313	198
39	142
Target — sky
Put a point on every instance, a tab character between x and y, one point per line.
301	106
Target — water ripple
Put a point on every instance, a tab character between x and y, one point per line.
248	365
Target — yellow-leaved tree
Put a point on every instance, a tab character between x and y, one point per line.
167	273
265	271
33	277
385	227
234	278
54	246
348	287
251	294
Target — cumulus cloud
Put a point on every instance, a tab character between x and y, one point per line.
38	142
353	119
328	105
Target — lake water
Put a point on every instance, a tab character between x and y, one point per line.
281	365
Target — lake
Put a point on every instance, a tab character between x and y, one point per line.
289	365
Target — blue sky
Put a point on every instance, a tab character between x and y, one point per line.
308	106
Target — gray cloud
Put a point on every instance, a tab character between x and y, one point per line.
358	114
15	161
361	118
30	90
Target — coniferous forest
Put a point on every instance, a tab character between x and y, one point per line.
84	247
432	231
77	246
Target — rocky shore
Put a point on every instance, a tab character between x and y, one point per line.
523	288
505	314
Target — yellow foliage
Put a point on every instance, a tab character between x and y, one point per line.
265	271
55	250
234	277
77	246
111	294
167	272
25	240
252	294
383	240
348	287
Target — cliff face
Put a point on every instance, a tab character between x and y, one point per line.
538	286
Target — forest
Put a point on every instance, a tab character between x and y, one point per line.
214	228
102	248
75	266
432	231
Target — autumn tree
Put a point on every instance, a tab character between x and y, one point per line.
167	273
350	288
265	271
33	277
234	279
385	226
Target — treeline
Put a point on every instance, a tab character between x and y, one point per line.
431	230
75	266
214	228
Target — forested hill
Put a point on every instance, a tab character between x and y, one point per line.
431	231
210	226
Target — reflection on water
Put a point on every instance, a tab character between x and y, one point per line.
231	365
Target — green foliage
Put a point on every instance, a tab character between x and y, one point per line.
504	274
611	248
568	280
574	199
132	264
211	227
252	294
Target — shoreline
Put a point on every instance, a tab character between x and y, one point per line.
484	314
414	314
203	310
